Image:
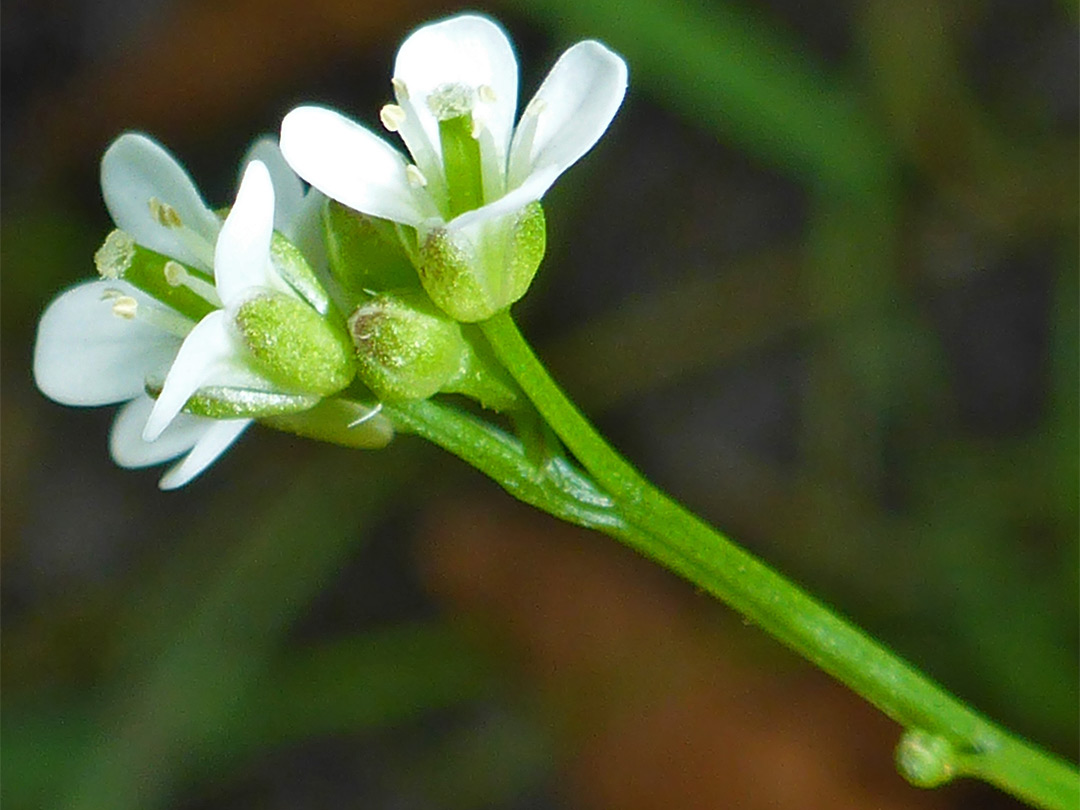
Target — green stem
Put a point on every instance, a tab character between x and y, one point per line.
661	529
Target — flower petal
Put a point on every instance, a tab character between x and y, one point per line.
86	355
215	440
350	164
569	113
136	169
209	356
469	50
128	448
242	255
288	190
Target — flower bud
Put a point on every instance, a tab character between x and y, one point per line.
473	272
365	253
405	348
293	344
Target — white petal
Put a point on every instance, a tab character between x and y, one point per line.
305	231
214	441
288	190
242	255
127	446
136	169
210	356
350	164
468	50
573	108
86	355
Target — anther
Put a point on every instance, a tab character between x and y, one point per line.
392	117
175	273
536	106
164	214
115	255
415	176
486	93
124	306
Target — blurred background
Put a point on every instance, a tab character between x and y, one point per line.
819	281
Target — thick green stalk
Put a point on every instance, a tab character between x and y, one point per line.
945	738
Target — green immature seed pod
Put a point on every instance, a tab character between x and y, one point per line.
294	345
405	348
474	272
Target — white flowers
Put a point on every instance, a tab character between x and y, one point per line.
472	170
202	324
109	340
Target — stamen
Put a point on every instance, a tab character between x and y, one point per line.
523	143
536	106
392	117
176	275
415	177
450	101
477	129
164	214
164	318
115	255
401	92
486	93
369	415
124	306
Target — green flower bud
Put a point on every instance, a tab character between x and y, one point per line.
365	253
925	760
472	274
294	345
405	348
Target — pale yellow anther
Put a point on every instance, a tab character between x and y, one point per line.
486	93
415	176
175	273
124	306
536	106
115	255
401	92
392	117
476	129
164	214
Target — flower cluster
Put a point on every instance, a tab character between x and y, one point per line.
203	323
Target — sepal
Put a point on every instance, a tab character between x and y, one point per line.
341	421
406	349
365	253
219	402
474	272
293	345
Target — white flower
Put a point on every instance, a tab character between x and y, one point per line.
461	69
104	341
